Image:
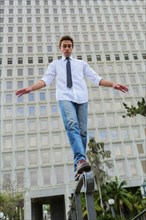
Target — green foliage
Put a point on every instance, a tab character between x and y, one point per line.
9	201
97	157
121	196
109	217
133	111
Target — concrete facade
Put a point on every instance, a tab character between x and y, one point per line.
35	155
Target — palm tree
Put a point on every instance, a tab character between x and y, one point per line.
137	203
121	196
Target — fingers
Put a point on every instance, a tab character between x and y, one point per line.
21	92
121	88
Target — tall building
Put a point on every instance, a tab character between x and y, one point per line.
35	155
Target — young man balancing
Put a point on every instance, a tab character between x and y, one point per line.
72	97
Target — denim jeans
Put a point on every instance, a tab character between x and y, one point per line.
75	121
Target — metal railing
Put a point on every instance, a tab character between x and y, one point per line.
75	213
141	216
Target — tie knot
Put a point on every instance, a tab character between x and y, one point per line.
67	58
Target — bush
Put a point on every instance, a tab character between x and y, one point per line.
109	217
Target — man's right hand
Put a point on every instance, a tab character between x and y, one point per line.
23	91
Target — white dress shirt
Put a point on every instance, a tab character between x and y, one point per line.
79	70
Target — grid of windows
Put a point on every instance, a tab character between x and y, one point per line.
110	37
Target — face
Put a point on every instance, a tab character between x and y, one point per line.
66	48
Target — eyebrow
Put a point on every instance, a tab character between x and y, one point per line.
67	44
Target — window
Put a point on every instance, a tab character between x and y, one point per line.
143	164
133	168
50	59
20	179
54	109
117	150
135	57
29	29
9	61
20	159
20	60
8	143
56	139
20	126
20	49
114	134
128	149
32	158
30	71
39	38
98	57
107	57
29	39
33	178
105	46
20	111
121	168
42	96
144	56
10	39
140	148
46	172
49	48
20	39
10	29
40	59
30	59
126	57
38	29
31	97
20	29
79	57
102	134
29	19
31	111
59	174
30	49
10	49
20	72
39	49
7	162
43	110
9	85
117	57
9	72
89	58
78	47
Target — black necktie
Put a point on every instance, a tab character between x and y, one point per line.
68	73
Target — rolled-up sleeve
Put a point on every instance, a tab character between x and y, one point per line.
50	74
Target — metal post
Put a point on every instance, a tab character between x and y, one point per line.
89	187
75	213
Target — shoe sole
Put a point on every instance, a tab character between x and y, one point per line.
85	167
77	178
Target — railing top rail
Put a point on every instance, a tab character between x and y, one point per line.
143	213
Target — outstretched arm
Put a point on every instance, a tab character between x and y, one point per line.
116	86
40	84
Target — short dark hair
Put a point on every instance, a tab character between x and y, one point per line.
66	37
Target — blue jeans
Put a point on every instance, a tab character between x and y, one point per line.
75	121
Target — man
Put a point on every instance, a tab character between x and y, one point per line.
72	97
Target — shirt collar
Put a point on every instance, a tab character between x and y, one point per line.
63	57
